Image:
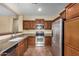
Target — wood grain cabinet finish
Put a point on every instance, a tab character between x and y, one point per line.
67	32
31	41
48	41
75	33
69	51
72	10
28	25
47	24
21	47
31	24
71	34
39	21
71	30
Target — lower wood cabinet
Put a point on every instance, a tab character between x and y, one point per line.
31	41
21	47
48	41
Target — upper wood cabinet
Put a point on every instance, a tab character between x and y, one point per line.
48	24
39	21
31	24
72	10
28	24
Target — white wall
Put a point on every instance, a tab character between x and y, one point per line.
6	24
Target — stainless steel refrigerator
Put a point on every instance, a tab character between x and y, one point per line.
57	37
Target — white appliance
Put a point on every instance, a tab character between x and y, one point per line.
40	41
57	37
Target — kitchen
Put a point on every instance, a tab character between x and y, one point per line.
39	29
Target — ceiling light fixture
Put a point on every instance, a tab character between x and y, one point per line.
39	9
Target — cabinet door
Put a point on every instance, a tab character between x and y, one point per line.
47	24
20	49
48	41
75	33
67	32
72	11
39	21
72	34
31	41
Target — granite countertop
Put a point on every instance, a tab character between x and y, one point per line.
10	43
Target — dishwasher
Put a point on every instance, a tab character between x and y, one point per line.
10	52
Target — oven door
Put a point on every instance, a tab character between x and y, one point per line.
40	41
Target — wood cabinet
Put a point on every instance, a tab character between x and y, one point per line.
67	31
21	47
71	30
28	25
72	11
39	21
31	41
47	24
75	33
71	36
48	41
69	51
31	24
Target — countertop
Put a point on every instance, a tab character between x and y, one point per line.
33	32
10	43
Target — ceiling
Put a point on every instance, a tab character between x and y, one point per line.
30	9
